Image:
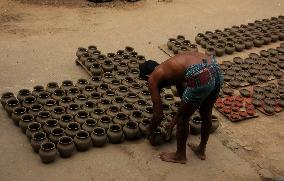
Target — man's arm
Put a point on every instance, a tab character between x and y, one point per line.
157	103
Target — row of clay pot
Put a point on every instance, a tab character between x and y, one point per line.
181	45
243	37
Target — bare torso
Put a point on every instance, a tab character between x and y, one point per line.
172	71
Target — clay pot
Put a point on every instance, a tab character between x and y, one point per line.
230	48
144	94
37	139
192	48
120	75
73	109
171	43
37	90
258	41
65	146
240	46
245	93
210	51
140	104
96	54
57	112
17	113
65	120
131	130
91	49
99	137
256	103
80	99
72	93
89	125
33	128
195	125
144	126
65	101
128	81
228	91
166	108
89	62
168	99
104	103
268	109
270	102
102	88
198	38
215	124
122	90
81	51
26	119
109	94
134	73
127	108
107	66
47	152
136	116
49	104
58	94
82	140
114	84
72	129
35	109
97	113
157	137
81	83
81	117
135	88
56	134
66	85
118	101
42	117
96	69
115	133
252	80
219	49
131	98
49	125
148	112
175	106
22	94
141	59
5	96
120	118
84	57
278	73
176	47
28	101
112	110
183	49
104	122
122	66
89	106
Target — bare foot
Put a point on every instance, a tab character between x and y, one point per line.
198	152
172	157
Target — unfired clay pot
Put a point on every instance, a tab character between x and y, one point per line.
104	122
26	119
120	118
82	140
33	128
99	137
37	139
42	117
72	129
131	130
22	94
5	96
65	120
11	104
65	146
89	125
56	134
115	133
81	117
17	113
47	152
37	90
49	125
49	104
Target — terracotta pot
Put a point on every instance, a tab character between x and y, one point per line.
127	108
103	87
171	42
97	113
22	94
26	119
65	120
104	103
81	83
157	138
66	85
37	139
72	129
65	101
136	116
49	104
5	96
65	146
28	101
267	38
122	90
144	126
112	110
89	106
37	90
33	128
81	117
195	125
104	122
56	134
73	109
120	118
118	101
89	125
58	94
57	112
17	113
115	133
47	152
131	130
99	137
82	140
81	51
51	87
49	125
35	109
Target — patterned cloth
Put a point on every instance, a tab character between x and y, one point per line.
202	79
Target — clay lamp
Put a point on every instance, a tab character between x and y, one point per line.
226	110
243	114
235	108
249	106
228	102
231	98
234	116
239	104
219	105
251	112
239	99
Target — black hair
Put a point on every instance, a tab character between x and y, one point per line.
147	68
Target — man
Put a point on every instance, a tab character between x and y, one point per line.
203	79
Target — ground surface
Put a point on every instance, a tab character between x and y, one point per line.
38	43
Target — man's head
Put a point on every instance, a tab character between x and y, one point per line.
147	68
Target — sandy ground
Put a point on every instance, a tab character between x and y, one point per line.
38	44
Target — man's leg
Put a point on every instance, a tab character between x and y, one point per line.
182	117
205	111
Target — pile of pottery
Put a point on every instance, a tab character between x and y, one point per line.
274	56
252	70
239	38
268	99
181	45
235	108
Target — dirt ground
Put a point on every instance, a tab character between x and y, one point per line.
38	43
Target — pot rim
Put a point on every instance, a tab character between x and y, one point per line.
42	146
65	137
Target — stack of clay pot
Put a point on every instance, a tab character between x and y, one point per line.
254	69
180	45
239	38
